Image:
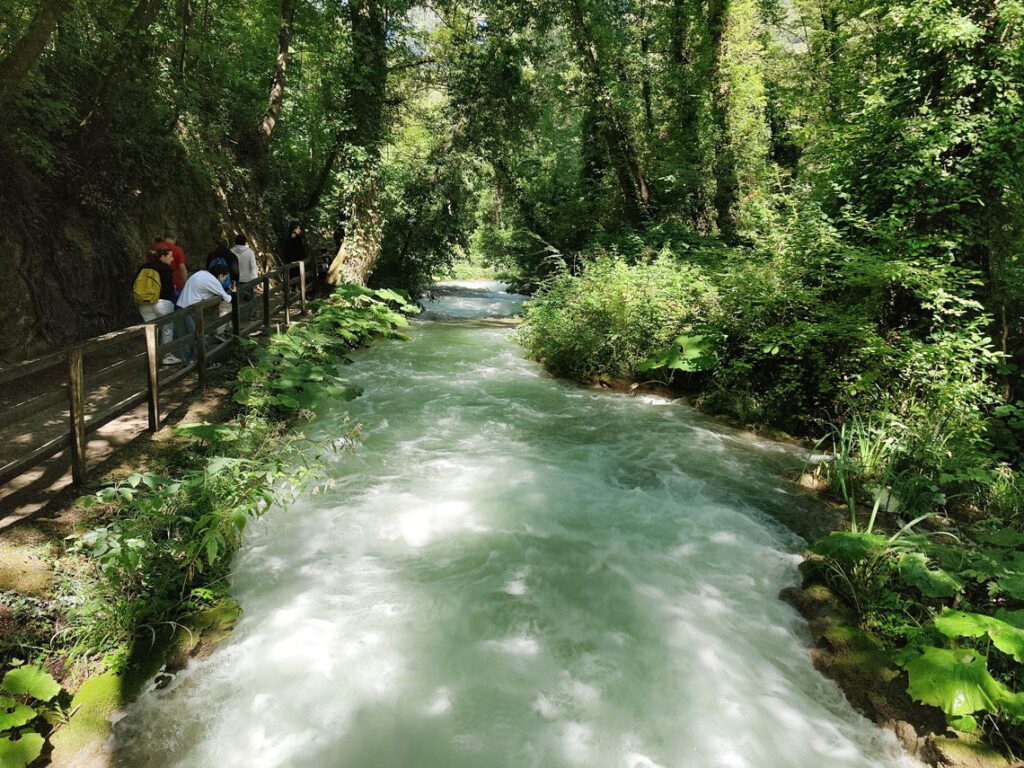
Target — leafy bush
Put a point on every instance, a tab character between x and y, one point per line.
615	316
28	708
947	605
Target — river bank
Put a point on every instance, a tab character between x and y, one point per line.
132	578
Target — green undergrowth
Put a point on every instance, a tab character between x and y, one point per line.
158	544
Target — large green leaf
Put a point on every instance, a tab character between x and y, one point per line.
687	353
1012	585
1006	637
914	571
13	714
1016	618
957	681
35	681
1013	706
20	753
1003	537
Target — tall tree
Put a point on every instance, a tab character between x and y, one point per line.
27	50
367	92
724	171
685	125
276	99
614	130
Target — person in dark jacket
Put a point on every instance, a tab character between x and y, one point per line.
294	247
230	259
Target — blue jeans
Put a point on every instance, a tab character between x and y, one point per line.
189	353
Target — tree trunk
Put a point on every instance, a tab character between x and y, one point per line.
686	107
185	14
363	237
725	162
621	150
276	99
830	29
509	187
361	248
645	78
30	47
316	192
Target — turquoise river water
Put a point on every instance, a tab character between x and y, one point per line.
512	571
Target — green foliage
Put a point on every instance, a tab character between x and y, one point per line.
956	681
617	318
27	709
944	609
688	353
30	681
298	368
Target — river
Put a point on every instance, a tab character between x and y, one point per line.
515	571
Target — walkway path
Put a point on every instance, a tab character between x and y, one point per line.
45	485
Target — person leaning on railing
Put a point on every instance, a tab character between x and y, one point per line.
248	269
154	294
203	285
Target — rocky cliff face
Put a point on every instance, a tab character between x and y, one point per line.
66	273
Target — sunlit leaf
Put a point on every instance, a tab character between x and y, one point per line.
20	753
14	714
956	681
32	680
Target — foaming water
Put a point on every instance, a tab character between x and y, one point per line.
512	571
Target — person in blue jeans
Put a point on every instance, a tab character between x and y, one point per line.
204	284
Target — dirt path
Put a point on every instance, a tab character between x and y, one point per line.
48	485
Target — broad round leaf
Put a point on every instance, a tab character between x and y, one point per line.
1013	586
967	723
1006	637
35	681
956	681
932	582
13	714
20	753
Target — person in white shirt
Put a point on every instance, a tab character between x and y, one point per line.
248	269
199	287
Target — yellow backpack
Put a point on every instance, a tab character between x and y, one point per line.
147	286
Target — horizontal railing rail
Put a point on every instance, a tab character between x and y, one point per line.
254	306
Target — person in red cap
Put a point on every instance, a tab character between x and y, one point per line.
170	242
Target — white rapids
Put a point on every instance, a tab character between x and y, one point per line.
512	571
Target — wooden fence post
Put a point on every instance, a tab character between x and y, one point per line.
302	287
76	406
236	314
266	305
200	317
287	294
152	377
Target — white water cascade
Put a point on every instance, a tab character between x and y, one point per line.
512	571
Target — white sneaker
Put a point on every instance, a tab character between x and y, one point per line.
171	360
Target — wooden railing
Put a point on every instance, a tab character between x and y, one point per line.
250	311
